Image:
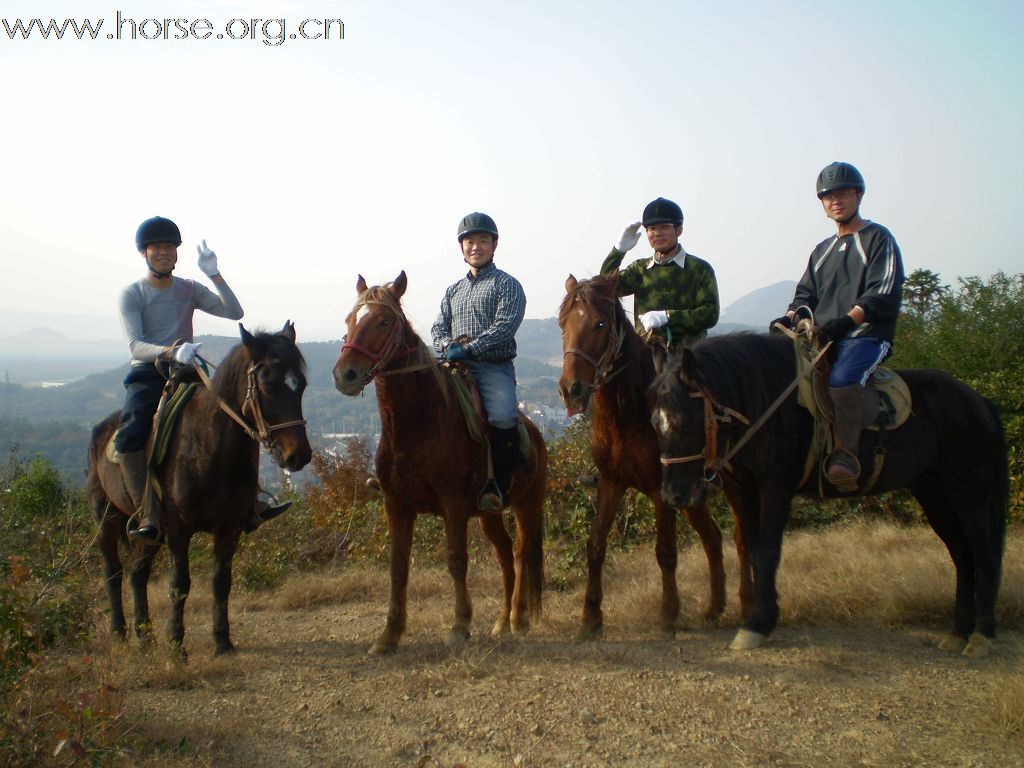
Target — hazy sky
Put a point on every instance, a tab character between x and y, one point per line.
306	163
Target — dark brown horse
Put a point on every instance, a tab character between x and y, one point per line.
209	480
950	453
427	462
607	363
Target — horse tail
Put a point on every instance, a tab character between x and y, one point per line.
94	486
535	573
999	499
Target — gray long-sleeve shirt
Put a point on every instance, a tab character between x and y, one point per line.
153	318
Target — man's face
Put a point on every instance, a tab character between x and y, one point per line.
841	205
162	256
663	237
478	249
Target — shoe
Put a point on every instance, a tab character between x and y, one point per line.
262	513
148	533
843	469
490	499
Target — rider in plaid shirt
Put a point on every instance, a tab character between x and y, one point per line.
477	323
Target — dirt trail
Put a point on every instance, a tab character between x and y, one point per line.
302	691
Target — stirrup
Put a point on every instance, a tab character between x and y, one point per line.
846	482
490	498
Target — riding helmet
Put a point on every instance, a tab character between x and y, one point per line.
839	176
662	211
157	230
477	222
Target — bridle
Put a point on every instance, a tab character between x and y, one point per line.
603	372
392	346
259	430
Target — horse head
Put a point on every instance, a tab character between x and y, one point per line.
593	329
375	334
677	406
275	381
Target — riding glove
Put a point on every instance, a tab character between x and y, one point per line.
207	260
784	321
455	352
654	319
186	352
839	327
630	237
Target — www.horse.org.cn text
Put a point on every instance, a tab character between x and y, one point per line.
271	32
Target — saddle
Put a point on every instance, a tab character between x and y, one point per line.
473	410
886	402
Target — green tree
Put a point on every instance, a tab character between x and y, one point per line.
922	292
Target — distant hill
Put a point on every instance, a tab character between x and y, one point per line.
758	308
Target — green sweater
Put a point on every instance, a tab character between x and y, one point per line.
687	291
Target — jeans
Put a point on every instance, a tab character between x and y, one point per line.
856	360
497	385
145	385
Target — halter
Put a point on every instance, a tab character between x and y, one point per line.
603	372
391	347
260	431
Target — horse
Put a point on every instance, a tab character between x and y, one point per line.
950	454
209	479
426	461
599	343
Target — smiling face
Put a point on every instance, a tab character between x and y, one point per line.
161	257
478	249
664	237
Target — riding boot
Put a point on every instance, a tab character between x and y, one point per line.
134	473
505	455
263	512
843	464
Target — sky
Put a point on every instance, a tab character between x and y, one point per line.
307	163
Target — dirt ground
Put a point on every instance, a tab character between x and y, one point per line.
302	690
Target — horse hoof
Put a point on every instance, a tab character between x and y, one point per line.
747	640
501	627
978	646
382	648
952	644
457	639
224	649
585	632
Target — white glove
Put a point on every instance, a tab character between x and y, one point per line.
185	352
630	237
207	260
654	319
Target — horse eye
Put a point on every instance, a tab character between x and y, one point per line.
386	322
600	324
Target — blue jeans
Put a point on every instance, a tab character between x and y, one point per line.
856	360
497	385
145	385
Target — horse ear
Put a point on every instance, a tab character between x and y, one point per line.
660	355
246	336
360	286
289	331
688	366
570	284
401	283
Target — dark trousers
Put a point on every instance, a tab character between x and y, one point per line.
144	385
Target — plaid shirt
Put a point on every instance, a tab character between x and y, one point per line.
685	287
487	308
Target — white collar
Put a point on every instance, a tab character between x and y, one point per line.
679	259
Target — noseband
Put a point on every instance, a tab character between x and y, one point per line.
714	414
603	372
391	347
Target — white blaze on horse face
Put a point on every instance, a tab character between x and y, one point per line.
361	312
662	421
291	381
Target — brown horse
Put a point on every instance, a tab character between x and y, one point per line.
427	462
599	343
209	479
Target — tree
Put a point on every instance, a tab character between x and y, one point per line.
922	292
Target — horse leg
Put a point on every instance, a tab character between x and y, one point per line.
458	558
767	549
400	527
494	529
529	555
141	567
107	538
609	494
711	539
666	553
739	499
224	546
181	584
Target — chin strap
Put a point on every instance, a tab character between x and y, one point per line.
156	274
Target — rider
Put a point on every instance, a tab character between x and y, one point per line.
477	323
156	315
852	288
675	293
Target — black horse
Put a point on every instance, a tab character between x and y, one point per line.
950	453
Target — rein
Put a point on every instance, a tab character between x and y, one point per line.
714	414
603	372
260	431
389	350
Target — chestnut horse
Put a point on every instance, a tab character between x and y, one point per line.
605	362
427	462
209	480
950	453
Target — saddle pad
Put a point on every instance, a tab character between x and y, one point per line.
112	455
894	402
167	420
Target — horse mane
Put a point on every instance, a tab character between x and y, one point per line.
599	293
233	370
379	294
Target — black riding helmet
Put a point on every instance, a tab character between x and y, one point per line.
157	230
839	176
477	222
662	211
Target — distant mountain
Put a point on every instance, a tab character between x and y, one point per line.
758	308
43	342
